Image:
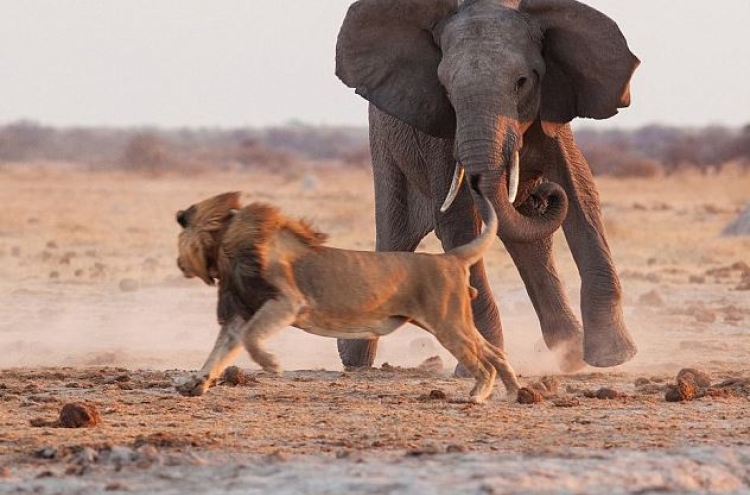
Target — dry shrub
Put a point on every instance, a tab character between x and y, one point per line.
149	153
607	160
252	152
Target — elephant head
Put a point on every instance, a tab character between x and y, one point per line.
481	72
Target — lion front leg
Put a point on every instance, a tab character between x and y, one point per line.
228	345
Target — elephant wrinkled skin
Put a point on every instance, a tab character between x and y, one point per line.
476	83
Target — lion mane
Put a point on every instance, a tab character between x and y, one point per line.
222	240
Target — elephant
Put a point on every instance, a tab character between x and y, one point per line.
490	87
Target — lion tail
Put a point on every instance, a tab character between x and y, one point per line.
472	252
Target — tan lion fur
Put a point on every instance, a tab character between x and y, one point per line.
275	271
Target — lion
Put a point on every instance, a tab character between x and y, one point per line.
274	271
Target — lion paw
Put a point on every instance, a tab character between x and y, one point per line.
195	386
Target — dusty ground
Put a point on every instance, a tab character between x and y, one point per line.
93	310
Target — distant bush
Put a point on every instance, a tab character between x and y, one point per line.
641	152
650	148
148	152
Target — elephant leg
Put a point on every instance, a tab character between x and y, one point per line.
402	220
560	328
606	340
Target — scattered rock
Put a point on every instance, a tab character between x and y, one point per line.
605	393
699	378
129	285
697	279
737	386
642	382
566	402
713	209
79	415
437	394
45	453
651	298
723	393
165	440
529	396
41	423
684	390
116	486
233	376
386	366
122	378
41	399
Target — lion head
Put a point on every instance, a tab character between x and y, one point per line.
202	228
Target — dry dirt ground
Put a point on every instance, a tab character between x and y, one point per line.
93	310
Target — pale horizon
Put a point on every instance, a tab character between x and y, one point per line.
175	64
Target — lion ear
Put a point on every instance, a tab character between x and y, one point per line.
232	199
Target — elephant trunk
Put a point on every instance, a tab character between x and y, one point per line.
492	163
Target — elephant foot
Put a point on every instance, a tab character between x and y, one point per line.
606	349
356	354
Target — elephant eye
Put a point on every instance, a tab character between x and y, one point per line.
521	83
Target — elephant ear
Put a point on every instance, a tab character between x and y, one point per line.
589	64
386	51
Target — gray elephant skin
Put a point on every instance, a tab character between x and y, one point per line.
476	83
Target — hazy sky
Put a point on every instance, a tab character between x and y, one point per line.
250	62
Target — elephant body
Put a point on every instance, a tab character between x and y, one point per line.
478	83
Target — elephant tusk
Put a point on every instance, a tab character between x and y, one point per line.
458	178
513	176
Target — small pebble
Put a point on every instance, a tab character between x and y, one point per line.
437	394
233	376
699	378
529	396
77	415
605	393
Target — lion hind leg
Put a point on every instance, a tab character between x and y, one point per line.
271	318
499	360
468	349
